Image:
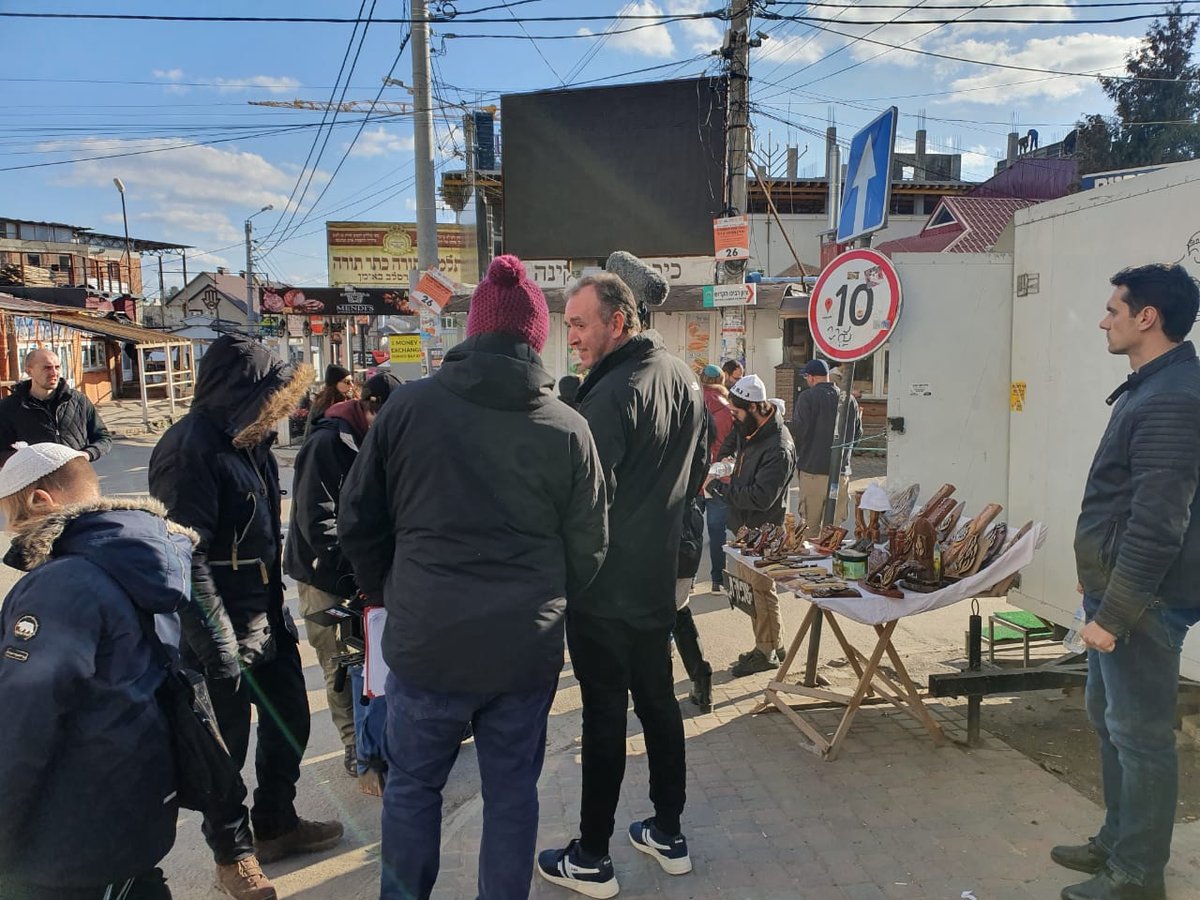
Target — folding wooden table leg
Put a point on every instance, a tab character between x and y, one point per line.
786	666
864	685
914	696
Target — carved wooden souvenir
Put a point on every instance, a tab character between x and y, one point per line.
901	504
963	558
950	523
873	532
860	521
995	543
942	493
833	540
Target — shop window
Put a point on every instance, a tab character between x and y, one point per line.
94	356
33	259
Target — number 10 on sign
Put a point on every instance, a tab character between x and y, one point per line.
854	306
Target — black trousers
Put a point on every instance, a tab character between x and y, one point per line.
612	660
151	886
277	690
691	651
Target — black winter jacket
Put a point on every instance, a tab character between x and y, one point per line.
313	555
65	417
647	415
814	419
1138	536
757	490
87	783
476	507
230	496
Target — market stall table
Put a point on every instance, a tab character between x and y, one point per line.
880	613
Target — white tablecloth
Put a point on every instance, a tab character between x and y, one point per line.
875	609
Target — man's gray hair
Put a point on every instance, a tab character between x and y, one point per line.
615	296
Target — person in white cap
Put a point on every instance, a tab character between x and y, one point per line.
87	788
757	495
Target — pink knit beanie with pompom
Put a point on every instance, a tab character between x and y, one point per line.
509	302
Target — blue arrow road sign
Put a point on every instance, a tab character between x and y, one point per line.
868	188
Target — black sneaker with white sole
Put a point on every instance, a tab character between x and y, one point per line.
671	852
570	868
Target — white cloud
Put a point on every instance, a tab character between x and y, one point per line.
171	77
791	50
202	192
649	39
703	35
979	162
272	84
873	37
1067	53
379	141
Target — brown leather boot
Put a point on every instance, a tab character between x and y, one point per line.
306	837
245	880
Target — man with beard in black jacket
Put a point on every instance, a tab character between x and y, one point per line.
216	474
757	495
476	509
44	410
647	415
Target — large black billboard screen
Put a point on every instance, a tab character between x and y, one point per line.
637	167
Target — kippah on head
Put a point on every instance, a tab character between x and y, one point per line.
33	462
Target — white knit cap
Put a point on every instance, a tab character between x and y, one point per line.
32	462
750	388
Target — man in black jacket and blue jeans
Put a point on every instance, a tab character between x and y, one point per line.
476	509
648	417
1137	552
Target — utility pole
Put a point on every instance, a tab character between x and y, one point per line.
737	54
427	248
251	306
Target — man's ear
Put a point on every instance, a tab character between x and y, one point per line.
42	501
1147	317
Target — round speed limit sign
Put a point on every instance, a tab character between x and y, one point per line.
854	305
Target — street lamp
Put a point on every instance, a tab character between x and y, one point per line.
125	219
250	310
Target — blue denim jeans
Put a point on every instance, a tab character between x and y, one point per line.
1131	696
716	515
370	723
424	733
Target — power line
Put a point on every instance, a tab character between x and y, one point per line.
357	134
815	21
290	208
996	65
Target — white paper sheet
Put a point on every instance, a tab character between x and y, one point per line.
375	672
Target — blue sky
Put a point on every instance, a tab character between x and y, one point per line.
74	89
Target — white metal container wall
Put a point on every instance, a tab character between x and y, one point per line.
1073	246
953	337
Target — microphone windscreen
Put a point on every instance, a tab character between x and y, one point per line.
648	285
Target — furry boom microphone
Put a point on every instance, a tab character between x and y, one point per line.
647	285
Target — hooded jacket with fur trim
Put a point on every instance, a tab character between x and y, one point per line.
215	472
87	784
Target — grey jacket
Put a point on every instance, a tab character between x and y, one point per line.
1137	541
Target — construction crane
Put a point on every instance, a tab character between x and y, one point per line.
367	106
